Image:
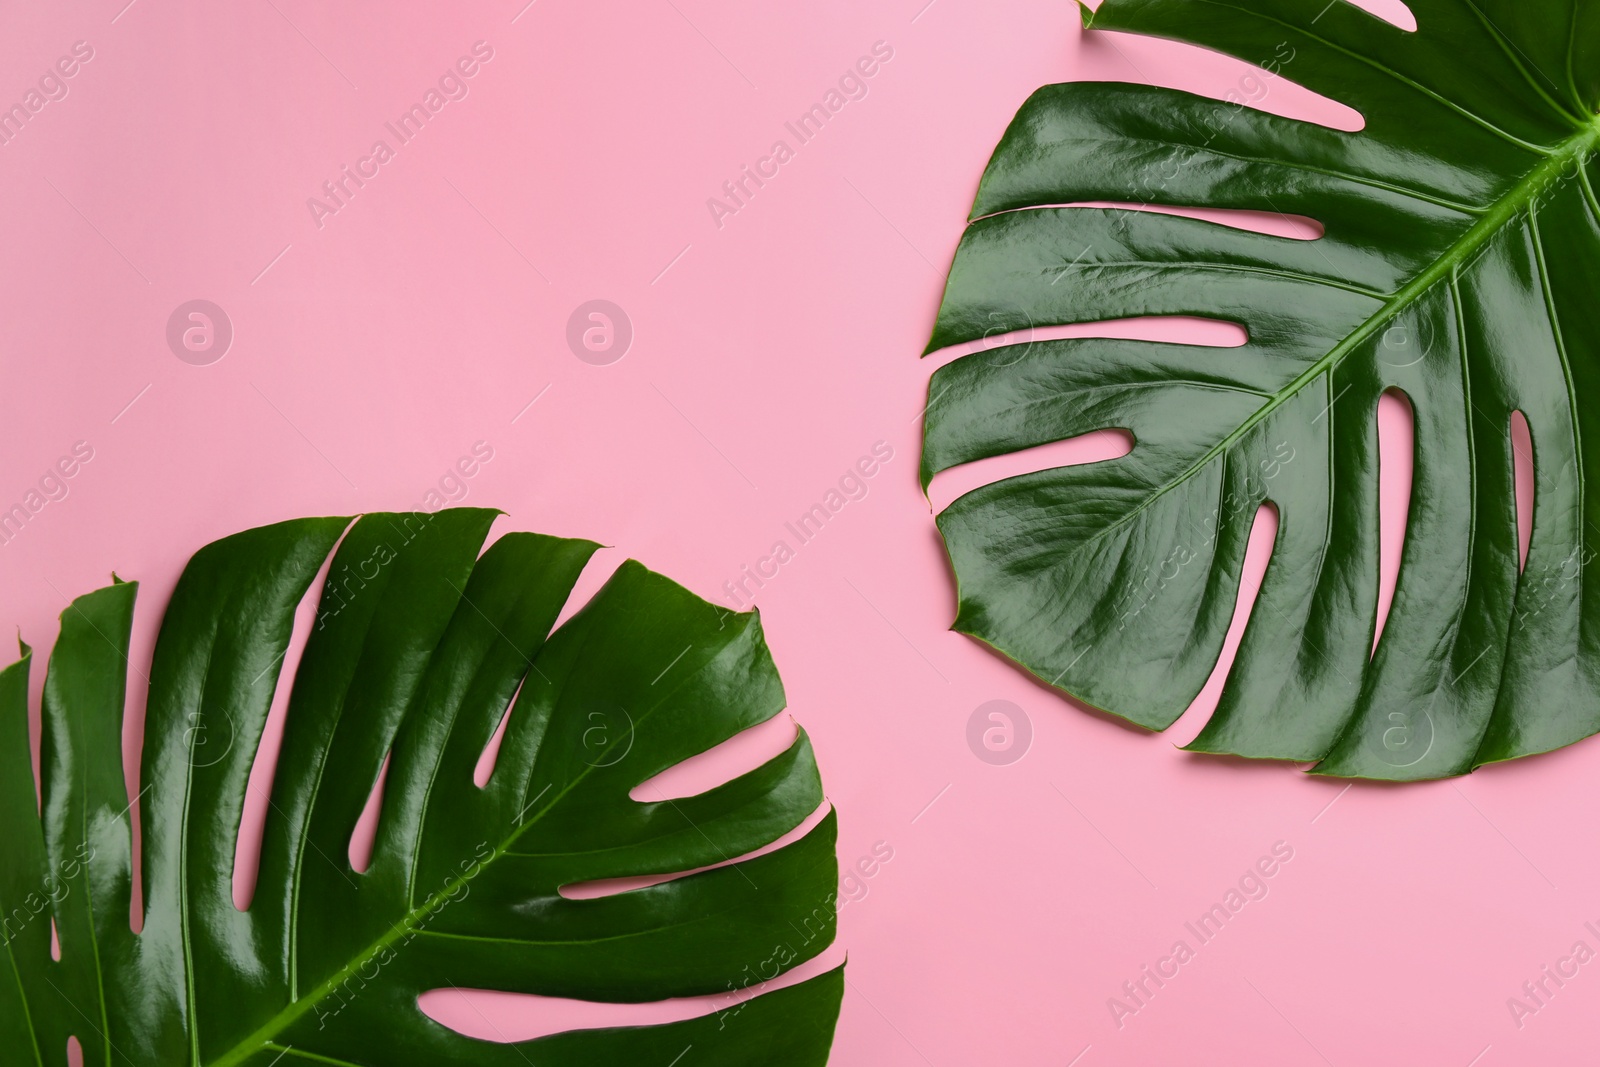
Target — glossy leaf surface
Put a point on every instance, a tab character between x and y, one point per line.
419	647
1458	265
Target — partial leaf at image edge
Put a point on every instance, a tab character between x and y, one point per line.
419	648
1460	254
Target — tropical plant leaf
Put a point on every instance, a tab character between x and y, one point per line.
419	648
1458	265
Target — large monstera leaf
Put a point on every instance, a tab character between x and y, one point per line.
1459	266
419	648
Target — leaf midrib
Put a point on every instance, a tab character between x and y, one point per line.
1545	174
296	1008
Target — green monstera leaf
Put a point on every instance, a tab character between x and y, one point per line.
1458	266
419	648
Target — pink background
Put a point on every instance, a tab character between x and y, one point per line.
769	354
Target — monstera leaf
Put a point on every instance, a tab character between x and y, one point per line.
1458	267
420	646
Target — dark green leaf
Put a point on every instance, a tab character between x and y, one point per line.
1461	251
419	647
